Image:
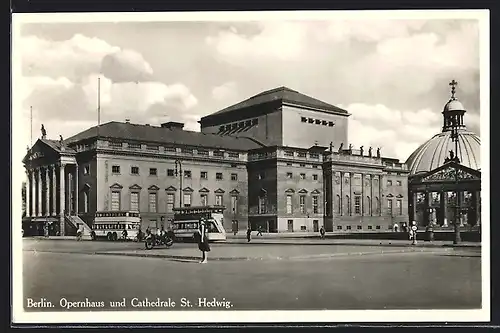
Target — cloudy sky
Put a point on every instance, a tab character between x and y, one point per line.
392	75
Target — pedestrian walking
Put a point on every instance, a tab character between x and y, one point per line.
249	234
259	231
203	241
322	232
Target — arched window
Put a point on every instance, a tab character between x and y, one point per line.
377	205
348	205
368	205
339	205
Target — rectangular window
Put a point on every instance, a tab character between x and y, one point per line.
289	175
262	205
152	202
289	206
303	119
115	169
315	166
134	146
330	123
324	122
218	153
315	177
398	183
302	176
218	199
86	170
315	204
218	176
233	155
377	227
357	204
115	144
389	206
370	227
170	149
389	182
204	199
234	176
301	154
289	164
170	172
186	200
134	170
187	173
134	201
202	152
290	226
302	204
115	200
339	227
204	175
153	147
234	204
153	171
399	206
289	153
314	156
302	165
348	227
170	202
187	151
360	227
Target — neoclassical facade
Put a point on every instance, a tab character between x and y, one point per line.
445	174
280	160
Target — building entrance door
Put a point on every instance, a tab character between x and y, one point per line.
290	226
316	226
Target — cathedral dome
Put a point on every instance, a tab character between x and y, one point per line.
433	153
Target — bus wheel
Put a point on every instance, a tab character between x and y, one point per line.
115	236
110	236
92	235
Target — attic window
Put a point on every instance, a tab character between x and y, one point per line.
134	145
152	147
233	155
330	123
311	121
318	122
241	124
234	126
115	144
303	119
221	128
187	150
202	152
171	149
255	121
248	123
324	123
218	153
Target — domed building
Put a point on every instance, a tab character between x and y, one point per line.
447	164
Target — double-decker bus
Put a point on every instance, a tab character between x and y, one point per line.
111	224
186	222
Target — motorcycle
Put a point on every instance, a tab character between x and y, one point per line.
155	240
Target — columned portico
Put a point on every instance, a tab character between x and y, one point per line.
54	190
40	196
47	192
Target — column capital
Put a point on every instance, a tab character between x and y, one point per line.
61	164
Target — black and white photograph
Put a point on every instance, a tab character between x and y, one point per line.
246	167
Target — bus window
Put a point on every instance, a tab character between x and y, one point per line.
212	228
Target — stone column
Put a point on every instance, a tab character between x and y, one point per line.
47	192
413	206
40	196
362	201
427	215
28	188
371	195
477	204
380	200
54	191
76	191
33	193
341	203
443	201
62	194
351	199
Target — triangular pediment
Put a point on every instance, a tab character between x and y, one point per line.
187	189
42	149
204	190
235	191
116	186
450	172
135	187
290	190
171	189
316	191
303	191
219	190
390	195
153	188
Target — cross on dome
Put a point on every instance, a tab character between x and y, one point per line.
453	84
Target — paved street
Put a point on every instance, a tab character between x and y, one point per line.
300	275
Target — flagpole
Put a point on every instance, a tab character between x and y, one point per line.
98	104
31	125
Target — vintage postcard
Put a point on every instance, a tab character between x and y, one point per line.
239	167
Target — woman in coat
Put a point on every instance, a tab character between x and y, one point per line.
203	241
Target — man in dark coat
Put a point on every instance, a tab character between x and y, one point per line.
203	241
249	234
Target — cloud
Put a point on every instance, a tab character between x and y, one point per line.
225	92
81	56
398	132
124	90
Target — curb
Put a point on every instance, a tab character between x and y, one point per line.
168	256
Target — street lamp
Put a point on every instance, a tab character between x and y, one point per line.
456	224
178	172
